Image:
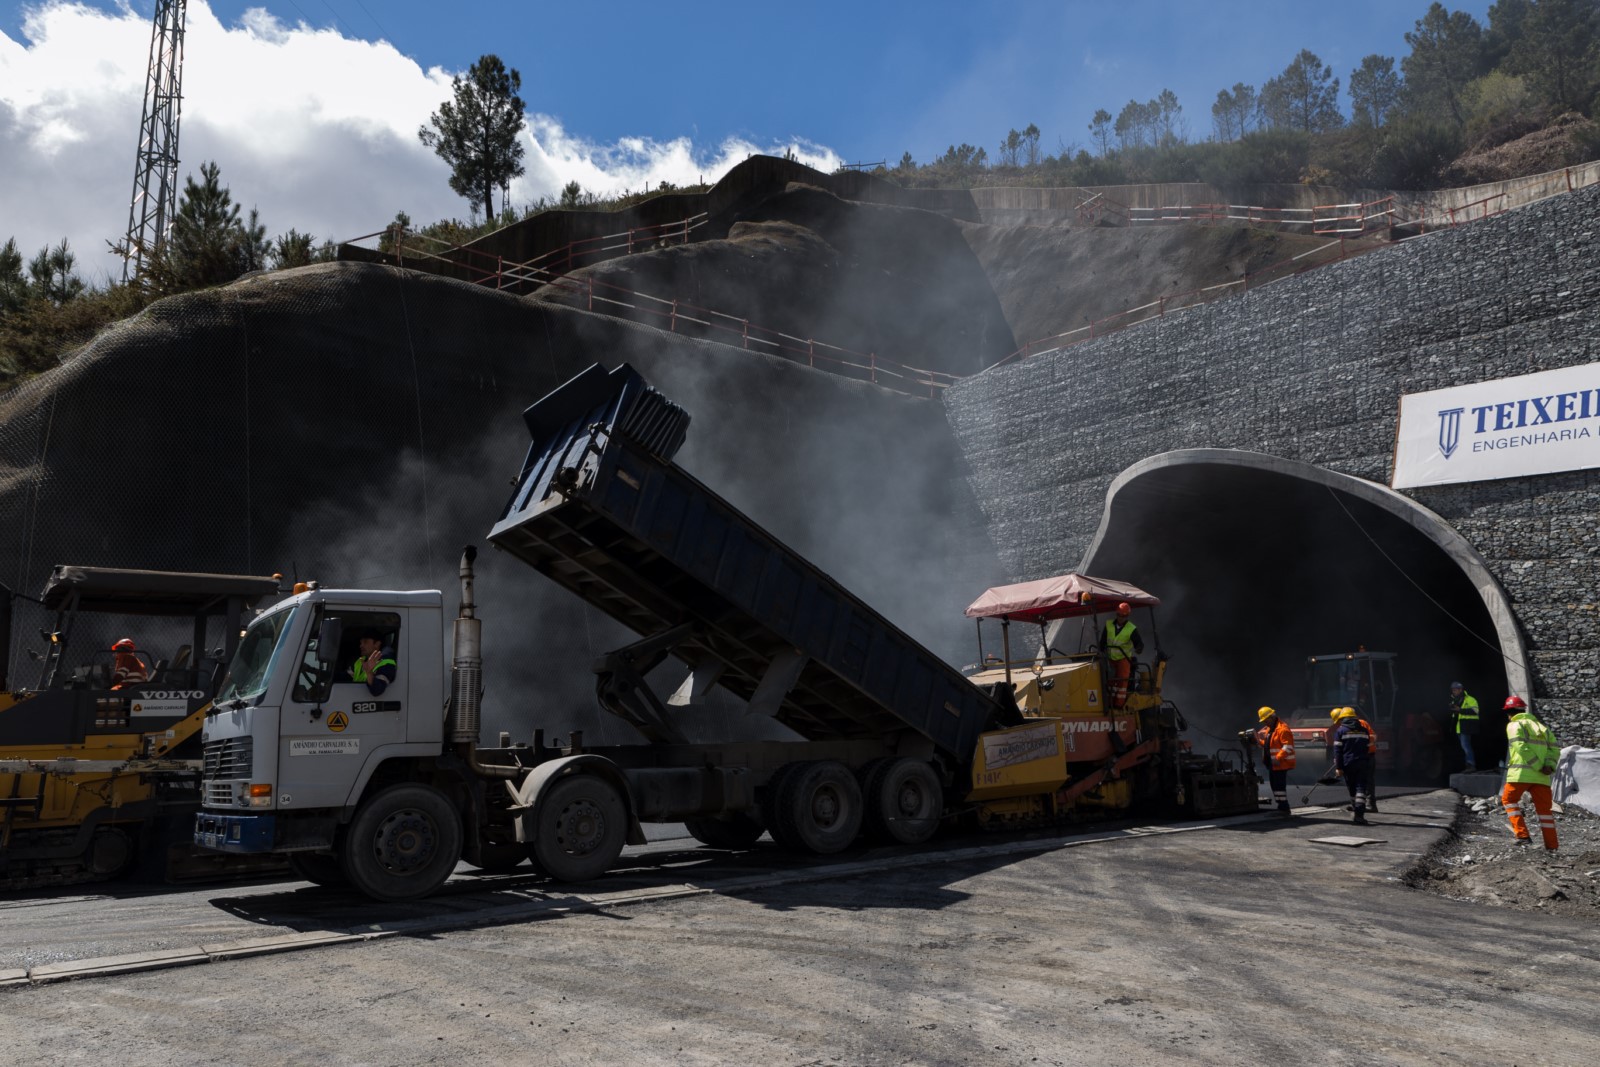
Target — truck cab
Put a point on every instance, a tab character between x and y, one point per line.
291	730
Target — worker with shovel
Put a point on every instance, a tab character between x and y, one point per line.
1352	759
1530	761
1277	747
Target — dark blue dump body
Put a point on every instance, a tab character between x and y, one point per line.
601	509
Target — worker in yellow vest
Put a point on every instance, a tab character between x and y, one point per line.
1464	714
1532	752
1120	642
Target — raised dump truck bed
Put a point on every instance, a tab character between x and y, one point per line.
601	508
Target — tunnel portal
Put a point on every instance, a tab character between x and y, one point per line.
1261	562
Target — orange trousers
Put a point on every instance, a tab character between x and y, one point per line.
1546	817
1120	670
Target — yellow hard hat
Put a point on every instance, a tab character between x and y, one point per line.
1334	714
1264	714
1347	713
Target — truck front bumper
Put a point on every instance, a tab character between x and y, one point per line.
234	833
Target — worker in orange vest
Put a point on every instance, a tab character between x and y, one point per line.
128	668
1277	747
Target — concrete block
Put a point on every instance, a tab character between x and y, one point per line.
1478	783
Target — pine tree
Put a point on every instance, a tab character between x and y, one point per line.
477	133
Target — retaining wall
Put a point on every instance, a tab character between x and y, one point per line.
1312	368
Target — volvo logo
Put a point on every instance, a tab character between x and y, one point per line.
172	694
1450	431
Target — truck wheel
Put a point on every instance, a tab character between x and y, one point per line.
770	798
318	869
819	808
736	831
581	828
904	801
403	843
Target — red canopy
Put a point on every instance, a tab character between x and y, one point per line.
1057	598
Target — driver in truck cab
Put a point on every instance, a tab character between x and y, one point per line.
376	664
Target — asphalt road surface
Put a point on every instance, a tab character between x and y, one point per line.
1246	942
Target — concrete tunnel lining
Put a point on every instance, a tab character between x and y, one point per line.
1425	522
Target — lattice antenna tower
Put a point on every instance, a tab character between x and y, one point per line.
155	172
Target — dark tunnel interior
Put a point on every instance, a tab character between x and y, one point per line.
1257	570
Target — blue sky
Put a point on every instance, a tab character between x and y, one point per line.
310	106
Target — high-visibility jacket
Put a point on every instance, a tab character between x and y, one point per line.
1277	745
1121	641
1533	751
380	679
1466	713
1352	743
128	670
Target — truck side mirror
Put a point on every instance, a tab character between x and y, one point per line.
329	635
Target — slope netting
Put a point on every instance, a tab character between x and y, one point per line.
358	425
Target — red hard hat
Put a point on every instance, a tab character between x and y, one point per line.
1123	609
124	645
1513	704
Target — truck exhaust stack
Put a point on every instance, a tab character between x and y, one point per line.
466	670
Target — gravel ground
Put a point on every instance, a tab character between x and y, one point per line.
1482	862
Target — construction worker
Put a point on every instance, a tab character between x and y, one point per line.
1372	734
1121	641
376	665
1531	756
127	668
1277	749
1464	712
1352	760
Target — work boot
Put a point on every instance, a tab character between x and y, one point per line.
1372	806
1360	818
1284	812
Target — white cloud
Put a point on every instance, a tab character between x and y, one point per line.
316	129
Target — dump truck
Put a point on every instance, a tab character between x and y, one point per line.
386	791
96	779
1412	744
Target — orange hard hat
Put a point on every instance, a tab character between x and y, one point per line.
124	645
1123	610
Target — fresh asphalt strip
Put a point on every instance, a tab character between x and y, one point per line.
550	907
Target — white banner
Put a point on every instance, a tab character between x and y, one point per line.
1531	424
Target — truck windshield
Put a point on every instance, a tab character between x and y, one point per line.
258	651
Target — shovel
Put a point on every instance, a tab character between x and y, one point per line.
1328	778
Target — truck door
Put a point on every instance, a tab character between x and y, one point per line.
332	723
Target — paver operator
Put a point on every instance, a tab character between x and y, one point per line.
127	669
1531	758
1277	748
1121	643
1352	759
1464	713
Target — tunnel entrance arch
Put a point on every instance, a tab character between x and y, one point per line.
1262	561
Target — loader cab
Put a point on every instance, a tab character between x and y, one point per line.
1361	680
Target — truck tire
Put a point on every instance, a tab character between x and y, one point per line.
736	831
318	869
770	797
903	801
581	826
819	808
403	843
